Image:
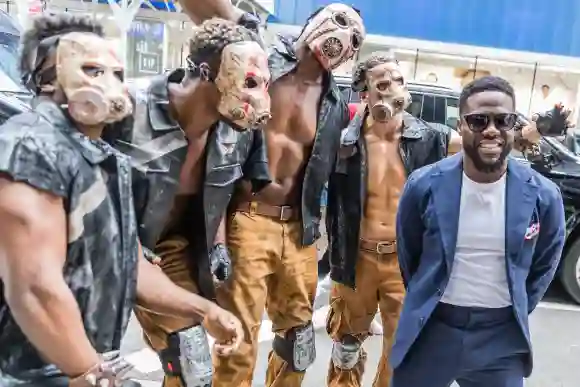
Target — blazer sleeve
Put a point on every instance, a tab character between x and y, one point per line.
548	249
410	229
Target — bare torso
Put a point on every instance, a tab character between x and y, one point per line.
385	181
190	176
289	139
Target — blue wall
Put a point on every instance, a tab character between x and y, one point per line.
546	26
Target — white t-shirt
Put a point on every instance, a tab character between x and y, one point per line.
479	274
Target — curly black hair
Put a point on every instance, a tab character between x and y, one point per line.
47	26
211	36
359	77
487	83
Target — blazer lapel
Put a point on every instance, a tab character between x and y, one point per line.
446	198
521	195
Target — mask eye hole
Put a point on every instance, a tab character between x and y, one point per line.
399	80
120	75
383	85
93	71
251	83
340	19
356	41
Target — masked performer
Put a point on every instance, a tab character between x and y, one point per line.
379	149
70	261
272	233
190	141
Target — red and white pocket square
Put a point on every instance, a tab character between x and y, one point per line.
532	231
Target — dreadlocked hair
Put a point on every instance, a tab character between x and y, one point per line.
211	36
359	78
49	25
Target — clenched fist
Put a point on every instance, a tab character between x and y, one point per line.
225	328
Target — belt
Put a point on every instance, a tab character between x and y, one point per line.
378	247
282	213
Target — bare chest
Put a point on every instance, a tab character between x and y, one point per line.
295	111
386	172
190	175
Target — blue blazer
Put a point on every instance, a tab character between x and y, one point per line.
427	222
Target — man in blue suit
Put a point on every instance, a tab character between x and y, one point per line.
479	239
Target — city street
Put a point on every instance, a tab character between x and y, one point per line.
555	333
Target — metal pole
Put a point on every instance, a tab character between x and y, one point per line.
124	31
416	64
475	68
532	89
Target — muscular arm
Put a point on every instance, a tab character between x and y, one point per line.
200	10
165	297
33	247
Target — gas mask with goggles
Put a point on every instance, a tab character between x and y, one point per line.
242	80
89	73
334	35
387	94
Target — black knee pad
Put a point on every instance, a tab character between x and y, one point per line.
297	348
346	352
188	357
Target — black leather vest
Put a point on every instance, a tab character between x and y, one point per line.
420	145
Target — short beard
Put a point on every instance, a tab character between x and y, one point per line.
483	167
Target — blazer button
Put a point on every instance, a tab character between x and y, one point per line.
439	292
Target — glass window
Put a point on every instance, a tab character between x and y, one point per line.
414	107
9	55
440	110
428	111
345	91
452	113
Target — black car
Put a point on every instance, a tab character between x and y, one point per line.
432	103
440	106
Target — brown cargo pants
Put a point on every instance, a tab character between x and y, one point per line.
378	283
270	270
156	327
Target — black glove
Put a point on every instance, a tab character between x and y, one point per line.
220	263
250	21
553	122
323	266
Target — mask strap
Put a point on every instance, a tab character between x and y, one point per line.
35	79
201	70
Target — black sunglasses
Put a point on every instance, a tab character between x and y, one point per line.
478	122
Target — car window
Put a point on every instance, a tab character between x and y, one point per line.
414	107
354	97
428	111
452	112
345	91
9	55
439	114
